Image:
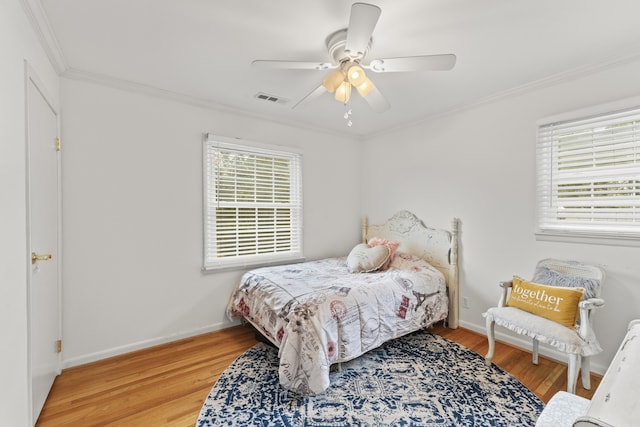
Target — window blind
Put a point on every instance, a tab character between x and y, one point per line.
589	175
253	205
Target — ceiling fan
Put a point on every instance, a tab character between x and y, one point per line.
348	49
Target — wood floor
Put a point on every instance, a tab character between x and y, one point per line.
166	385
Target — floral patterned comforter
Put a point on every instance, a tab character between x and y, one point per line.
320	314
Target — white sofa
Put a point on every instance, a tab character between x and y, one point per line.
616	402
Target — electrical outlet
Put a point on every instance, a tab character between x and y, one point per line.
465	302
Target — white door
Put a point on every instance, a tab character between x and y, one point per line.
43	178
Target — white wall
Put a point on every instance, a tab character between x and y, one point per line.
17	44
132	221
479	165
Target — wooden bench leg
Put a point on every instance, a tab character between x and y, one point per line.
572	372
492	341
585	368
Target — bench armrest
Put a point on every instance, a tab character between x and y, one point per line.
586	306
591	303
504	285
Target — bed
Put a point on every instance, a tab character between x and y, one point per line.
321	313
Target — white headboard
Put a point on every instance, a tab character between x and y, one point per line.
439	247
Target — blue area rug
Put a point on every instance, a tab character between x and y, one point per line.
417	380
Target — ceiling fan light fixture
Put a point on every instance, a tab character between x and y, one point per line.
365	87
356	75
333	81
343	92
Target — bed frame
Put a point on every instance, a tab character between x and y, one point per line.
438	247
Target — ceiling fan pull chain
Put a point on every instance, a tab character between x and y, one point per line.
347	115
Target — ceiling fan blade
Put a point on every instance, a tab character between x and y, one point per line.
314	94
377	101
413	63
362	21
292	65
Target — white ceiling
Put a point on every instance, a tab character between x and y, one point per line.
201	50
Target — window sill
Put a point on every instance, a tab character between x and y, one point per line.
250	265
591	239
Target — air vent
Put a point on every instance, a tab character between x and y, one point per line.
270	98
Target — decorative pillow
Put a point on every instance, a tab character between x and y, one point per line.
547	276
552	302
364	258
391	245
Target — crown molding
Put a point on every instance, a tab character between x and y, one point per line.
140	88
546	82
40	24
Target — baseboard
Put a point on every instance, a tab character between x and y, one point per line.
525	344
116	351
516	341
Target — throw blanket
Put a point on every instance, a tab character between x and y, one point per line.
320	314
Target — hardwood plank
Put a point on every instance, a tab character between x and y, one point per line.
162	385
167	384
545	379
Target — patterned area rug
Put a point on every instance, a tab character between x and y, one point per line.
417	380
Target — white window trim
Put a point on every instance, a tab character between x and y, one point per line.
605	238
222	264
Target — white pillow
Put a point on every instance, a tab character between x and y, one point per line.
364	258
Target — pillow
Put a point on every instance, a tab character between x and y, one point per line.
364	258
547	276
391	245
552	302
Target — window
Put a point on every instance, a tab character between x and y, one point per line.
252	204
589	173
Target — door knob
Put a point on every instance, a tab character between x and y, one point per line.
35	257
